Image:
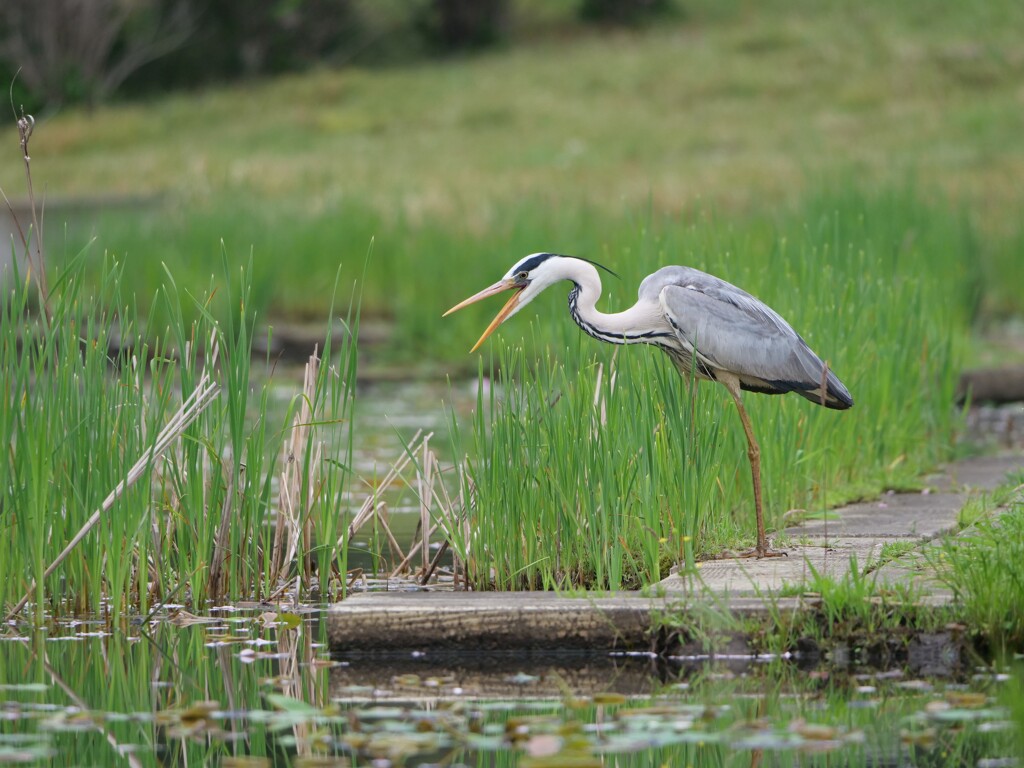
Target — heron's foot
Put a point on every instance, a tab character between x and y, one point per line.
753	552
767	553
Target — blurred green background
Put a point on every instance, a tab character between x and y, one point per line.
426	145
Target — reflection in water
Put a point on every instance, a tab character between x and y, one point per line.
261	685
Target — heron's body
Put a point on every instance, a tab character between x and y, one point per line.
710	328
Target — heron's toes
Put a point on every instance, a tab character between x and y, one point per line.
753	552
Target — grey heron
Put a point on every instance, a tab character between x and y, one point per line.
710	329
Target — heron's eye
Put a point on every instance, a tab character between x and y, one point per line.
522	275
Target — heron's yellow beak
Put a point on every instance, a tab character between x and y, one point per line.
510	305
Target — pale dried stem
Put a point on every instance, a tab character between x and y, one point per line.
218	577
292	508
25	126
393	545
417	547
425	482
366	511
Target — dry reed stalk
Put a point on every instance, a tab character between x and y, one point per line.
417	547
291	507
425	481
449	517
383	520
36	266
309	528
218	576
370	504
448	520
205	393
429	571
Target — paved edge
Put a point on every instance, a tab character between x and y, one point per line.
396	622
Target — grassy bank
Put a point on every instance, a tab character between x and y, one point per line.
604	464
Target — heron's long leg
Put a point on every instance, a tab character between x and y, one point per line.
754	454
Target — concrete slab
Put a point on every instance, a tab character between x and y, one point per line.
770	575
897	515
462	622
489	621
983	472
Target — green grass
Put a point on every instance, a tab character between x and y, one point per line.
981	566
193	527
736	111
612	500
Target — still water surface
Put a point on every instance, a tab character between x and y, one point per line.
258	687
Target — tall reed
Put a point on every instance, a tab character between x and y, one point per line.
84	398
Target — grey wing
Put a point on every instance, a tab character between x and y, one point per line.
727	329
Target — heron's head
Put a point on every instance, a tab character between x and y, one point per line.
526	279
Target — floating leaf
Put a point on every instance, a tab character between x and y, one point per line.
966	699
245	761
815	731
199	711
543	745
292	705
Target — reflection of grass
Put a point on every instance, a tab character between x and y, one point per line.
207	686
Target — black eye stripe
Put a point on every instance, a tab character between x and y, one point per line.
530	264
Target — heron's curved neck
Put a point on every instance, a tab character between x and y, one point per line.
636	325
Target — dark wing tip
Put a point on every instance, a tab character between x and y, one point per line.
838	397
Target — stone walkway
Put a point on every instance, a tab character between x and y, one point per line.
524	621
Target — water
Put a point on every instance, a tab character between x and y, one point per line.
259	688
